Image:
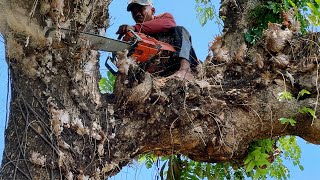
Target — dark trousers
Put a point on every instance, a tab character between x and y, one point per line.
180	39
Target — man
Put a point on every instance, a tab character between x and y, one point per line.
163	27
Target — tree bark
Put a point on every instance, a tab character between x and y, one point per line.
61	126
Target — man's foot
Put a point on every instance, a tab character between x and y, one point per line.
183	74
184	71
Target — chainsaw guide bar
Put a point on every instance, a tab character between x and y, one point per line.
97	42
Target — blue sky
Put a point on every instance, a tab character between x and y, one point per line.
3	93
185	15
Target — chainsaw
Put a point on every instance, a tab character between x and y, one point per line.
140	46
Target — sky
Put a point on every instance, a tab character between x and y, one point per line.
185	15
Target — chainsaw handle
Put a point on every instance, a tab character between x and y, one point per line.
138	38
120	36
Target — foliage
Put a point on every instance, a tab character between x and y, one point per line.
180	167
148	159
291	150
302	93
290	121
253	35
309	111
264	159
257	162
306	110
314	17
106	85
285	95
262	14
205	11
308	11
270	13
199	170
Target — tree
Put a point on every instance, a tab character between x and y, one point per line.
61	126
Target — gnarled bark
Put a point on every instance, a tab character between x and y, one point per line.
60	125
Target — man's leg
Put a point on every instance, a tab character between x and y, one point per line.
185	52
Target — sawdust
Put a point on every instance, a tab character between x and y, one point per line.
16	19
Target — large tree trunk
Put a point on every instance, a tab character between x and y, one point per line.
60	125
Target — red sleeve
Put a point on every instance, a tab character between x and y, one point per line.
160	23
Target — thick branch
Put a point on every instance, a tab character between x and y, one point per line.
61	126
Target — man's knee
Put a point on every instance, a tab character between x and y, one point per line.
181	30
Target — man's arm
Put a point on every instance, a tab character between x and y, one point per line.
160	24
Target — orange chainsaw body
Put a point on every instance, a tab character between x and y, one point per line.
146	47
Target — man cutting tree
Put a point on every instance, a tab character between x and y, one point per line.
163	27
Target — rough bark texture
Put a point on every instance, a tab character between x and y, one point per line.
60	126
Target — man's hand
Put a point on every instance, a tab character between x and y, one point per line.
123	29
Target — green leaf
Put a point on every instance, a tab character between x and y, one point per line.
141	159
106	84
273	6
285	95
292	3
103	85
250	166
309	111
257	152
205	11
312	7
264	156
301	167
290	121
248	159
164	158
303	91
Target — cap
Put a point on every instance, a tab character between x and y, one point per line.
141	2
